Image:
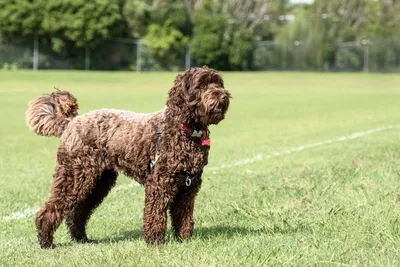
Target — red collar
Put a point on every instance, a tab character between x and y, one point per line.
202	134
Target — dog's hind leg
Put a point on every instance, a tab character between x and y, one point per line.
181	210
78	217
49	217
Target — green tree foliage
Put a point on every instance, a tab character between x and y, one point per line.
209	42
166	44
21	17
140	14
163	24
85	23
229	34
388	17
225	31
318	27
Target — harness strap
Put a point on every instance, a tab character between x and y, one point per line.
189	178
158	149
158	144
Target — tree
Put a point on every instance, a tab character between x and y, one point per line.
388	18
209	42
85	23
22	17
163	24
224	31
140	14
320	26
166	44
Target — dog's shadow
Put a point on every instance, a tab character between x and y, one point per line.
236	231
122	236
207	232
200	232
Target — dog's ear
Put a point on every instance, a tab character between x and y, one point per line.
186	82
177	98
177	94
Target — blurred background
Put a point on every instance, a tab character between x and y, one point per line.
171	35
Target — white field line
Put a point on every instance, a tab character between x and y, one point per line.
260	157
30	211
20	214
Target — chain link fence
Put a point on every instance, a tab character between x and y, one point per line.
118	54
135	55
364	55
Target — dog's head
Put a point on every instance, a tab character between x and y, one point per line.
198	95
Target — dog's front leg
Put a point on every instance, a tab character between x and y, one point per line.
182	208
157	200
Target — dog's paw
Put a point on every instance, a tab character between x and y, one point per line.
83	240
47	245
154	241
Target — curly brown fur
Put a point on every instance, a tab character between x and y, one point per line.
181	210
98	145
49	114
76	220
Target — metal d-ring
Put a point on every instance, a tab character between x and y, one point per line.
188	181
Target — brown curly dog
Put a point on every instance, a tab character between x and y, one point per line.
165	151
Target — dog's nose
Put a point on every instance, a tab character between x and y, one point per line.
224	97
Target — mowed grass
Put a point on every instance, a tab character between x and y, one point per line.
331	205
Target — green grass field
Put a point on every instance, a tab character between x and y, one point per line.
320	203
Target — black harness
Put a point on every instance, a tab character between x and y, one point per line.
158	149
189	177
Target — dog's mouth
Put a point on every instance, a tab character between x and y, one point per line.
217	118
213	107
217	113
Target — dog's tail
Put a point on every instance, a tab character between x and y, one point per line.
49	114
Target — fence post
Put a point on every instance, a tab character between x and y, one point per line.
1	44
295	52
187	57
284	55
138	56
87	58
365	43
35	53
366	59
337	58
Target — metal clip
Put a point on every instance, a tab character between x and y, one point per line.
188	181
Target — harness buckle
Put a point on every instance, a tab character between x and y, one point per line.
197	133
